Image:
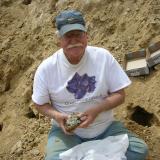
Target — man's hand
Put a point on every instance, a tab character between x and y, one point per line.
112	101
88	117
51	112
61	118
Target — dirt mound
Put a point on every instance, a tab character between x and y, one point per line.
27	36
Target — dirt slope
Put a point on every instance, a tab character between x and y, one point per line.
27	36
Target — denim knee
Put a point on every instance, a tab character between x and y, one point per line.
59	142
52	157
137	150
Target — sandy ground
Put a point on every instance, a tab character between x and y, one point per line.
27	36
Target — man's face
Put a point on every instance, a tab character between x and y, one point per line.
74	44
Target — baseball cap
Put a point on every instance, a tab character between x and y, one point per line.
69	20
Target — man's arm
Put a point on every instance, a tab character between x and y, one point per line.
51	112
46	110
112	101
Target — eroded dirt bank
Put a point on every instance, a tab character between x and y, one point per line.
27	36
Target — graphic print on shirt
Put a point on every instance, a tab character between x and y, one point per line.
80	85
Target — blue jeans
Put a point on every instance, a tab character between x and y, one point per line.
58	142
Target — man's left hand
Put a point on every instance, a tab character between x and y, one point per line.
88	117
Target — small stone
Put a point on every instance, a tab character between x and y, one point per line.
128	9
6	44
19	151
33	109
17	148
125	13
35	152
41	130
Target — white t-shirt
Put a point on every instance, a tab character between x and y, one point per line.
75	88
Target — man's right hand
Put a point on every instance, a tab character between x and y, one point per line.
61	119
51	112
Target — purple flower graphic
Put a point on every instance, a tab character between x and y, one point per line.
80	85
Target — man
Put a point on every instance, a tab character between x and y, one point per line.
83	79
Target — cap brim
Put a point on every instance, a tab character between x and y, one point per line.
71	27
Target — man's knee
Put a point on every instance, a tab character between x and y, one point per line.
137	149
52	156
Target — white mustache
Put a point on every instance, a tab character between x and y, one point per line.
74	45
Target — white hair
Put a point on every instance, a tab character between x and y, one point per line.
57	34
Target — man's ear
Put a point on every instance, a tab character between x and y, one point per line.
58	42
87	35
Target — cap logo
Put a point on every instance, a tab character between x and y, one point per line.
72	20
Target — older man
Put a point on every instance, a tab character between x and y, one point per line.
83	79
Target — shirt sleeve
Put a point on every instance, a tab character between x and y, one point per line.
117	78
40	91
